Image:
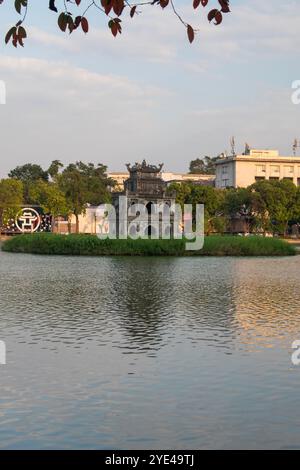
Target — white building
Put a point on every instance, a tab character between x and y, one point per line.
168	177
240	171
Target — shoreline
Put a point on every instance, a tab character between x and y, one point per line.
91	245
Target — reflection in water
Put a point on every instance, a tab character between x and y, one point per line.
266	302
148	352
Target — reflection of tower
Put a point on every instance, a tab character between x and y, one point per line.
142	295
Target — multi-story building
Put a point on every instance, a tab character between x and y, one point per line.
240	171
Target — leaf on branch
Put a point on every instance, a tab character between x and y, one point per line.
215	15
164	3
17	34
9	34
77	21
132	11
21	35
190	33
115	26
18	6
52	6
118	7
224	6
84	25
107	5
62	22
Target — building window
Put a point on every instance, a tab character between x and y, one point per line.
259	178
260	169
288	170
274	178
275	170
224	169
298	181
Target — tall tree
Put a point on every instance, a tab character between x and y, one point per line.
205	166
54	168
50	198
28	174
11	198
84	184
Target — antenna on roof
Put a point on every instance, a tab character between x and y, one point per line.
295	146
232	144
247	149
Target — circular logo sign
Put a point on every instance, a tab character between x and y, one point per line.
28	220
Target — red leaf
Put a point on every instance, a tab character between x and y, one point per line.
132	11
190	33
84	24
164	3
215	15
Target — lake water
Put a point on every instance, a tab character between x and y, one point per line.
130	353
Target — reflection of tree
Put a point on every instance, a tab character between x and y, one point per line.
142	295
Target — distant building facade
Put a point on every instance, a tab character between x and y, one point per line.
240	171
146	186
168	177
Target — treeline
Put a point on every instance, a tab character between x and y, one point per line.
266	206
59	190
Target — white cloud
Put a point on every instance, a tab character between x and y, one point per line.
61	111
70	107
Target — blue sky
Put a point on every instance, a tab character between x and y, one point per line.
149	93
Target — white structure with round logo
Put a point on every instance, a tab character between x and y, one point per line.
28	220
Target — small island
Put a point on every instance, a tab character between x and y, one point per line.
91	245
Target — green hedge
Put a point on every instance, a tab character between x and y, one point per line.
51	244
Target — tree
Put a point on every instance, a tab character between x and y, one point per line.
75	14
206	166
54	168
280	198
28	174
84	184
50	198
247	204
11	198
197	166
212	198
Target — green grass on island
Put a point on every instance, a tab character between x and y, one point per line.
91	245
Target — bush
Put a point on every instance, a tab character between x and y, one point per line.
215	245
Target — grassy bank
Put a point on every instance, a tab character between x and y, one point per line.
50	244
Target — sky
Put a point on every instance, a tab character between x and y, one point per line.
149	93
